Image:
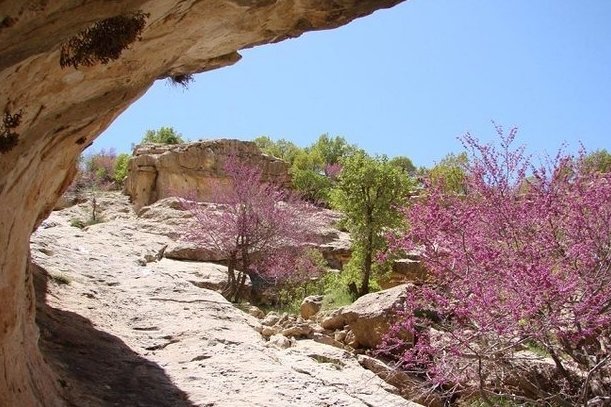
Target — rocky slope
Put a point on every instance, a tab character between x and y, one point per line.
123	326
50	113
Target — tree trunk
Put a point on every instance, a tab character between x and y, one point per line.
242	277
228	291
366	274
94	208
240	288
367	265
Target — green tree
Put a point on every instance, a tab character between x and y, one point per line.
307	159
369	192
283	149
404	163
312	185
265	143
599	160
120	169
165	135
450	173
332	149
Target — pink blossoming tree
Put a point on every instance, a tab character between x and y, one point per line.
519	303
261	229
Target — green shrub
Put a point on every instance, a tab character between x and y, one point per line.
165	135
77	223
313	186
450	173
336	296
120	170
81	224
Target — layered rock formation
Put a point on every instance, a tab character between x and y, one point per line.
51	113
194	169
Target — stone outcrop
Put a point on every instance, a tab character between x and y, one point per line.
194	170
310	306
407	270
55	112
121	333
337	252
369	317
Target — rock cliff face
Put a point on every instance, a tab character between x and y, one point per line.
51	113
194	169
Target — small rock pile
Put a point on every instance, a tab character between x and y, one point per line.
356	328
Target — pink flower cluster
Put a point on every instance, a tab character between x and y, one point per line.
521	260
259	226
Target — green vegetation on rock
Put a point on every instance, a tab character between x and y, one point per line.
165	135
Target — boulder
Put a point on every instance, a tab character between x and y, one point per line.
407	270
256	312
310	306
326	339
350	340
340	336
298	331
270	319
190	251
268	331
370	316
335	320
279	341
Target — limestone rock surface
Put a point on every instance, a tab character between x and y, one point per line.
120	333
194	170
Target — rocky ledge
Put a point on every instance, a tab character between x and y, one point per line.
193	169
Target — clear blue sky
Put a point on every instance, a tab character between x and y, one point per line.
408	81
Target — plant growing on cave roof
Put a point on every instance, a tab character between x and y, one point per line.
8	136
102	42
182	79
